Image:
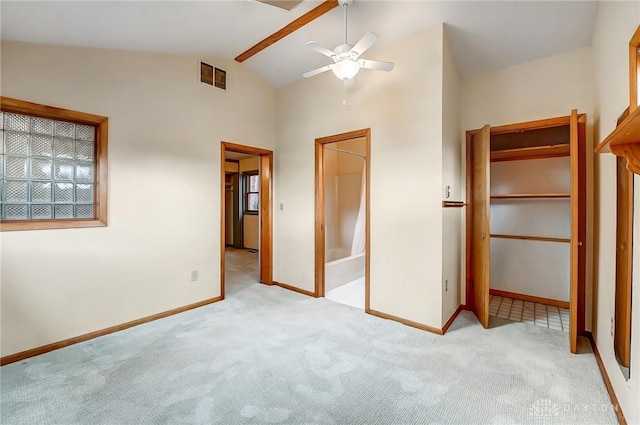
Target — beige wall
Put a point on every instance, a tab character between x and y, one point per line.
165	129
404	111
545	88
452	143
250	231
615	25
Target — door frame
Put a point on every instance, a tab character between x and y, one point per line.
624	262
320	204
577	123
266	210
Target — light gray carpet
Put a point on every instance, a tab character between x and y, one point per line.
267	355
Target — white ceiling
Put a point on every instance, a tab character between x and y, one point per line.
484	35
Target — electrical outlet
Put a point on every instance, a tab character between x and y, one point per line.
612	327
446	285
194	275
281	206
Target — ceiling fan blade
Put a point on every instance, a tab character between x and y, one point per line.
318	71
377	65
321	49
367	40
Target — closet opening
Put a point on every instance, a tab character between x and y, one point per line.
342	218
530	212
526	224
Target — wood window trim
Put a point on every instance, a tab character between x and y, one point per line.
101	176
246	175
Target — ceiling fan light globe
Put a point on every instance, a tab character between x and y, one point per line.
346	69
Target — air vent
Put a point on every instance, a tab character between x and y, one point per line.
213	76
282	4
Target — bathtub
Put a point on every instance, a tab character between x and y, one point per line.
341	271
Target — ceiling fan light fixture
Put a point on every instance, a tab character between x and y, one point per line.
346	57
345	69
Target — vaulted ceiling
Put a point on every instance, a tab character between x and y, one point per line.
484	35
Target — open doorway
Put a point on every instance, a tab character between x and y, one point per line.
246	217
342	218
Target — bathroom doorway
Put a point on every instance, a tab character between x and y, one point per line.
342	218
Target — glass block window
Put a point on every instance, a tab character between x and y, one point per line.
47	168
53	167
252	192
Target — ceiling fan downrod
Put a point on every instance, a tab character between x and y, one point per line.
345	5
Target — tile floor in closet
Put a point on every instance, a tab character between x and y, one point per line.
536	314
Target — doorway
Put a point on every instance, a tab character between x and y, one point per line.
342	218
526	223
246	182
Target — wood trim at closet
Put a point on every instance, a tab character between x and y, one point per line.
538	152
607	382
531	125
624	262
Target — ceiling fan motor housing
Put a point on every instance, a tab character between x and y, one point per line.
343	51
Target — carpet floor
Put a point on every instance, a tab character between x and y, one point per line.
266	355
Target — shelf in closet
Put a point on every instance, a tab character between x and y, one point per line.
531	238
625	141
531	196
536	152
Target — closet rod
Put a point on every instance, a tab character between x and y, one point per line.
531	238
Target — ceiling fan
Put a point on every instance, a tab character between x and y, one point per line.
346	57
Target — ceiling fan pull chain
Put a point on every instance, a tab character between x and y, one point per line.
344	93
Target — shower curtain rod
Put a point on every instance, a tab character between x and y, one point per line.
344	151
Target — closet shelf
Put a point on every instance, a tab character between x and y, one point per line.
531	238
530	195
625	141
535	152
